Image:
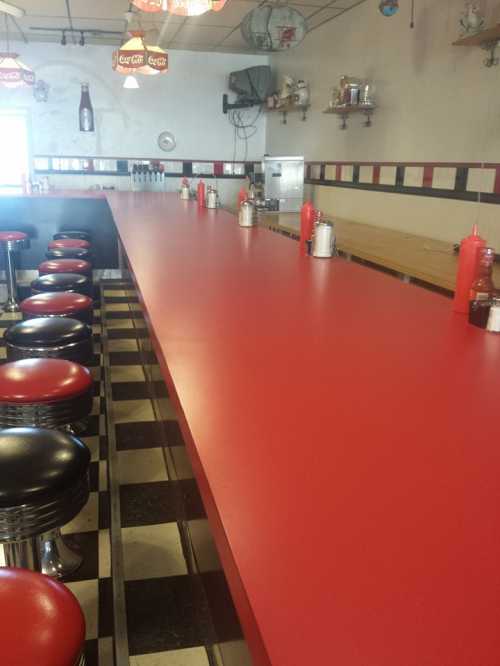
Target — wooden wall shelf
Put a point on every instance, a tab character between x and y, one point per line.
345	111
480	38
290	108
487	40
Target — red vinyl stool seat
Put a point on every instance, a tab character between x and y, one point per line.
69	242
58	304
12	236
42	622
44	393
12	242
65	266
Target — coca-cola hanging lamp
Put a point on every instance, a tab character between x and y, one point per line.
180	7
13	73
136	57
151	5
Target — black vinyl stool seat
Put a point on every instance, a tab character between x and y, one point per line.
44	485
72	233
69	253
53	282
50	337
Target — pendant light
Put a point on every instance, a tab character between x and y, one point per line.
14	73
180	7
151	5
135	57
131	83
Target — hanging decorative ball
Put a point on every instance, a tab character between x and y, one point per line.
135	57
13	73
388	7
273	27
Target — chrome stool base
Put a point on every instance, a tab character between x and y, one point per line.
11	305
57	559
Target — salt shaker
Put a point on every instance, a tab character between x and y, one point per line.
323	242
493	324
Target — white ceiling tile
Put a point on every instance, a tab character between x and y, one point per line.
321	16
200	35
206	31
235	39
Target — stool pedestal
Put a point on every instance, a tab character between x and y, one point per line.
24	554
56	559
12	242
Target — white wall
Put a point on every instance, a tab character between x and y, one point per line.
437	102
186	101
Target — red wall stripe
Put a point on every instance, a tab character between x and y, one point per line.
428	176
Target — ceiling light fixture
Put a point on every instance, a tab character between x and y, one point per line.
135	57
7	8
13	73
151	5
131	83
180	7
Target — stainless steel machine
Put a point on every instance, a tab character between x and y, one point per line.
284	182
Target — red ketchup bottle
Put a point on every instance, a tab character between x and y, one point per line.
307	215
242	196
468	261
200	194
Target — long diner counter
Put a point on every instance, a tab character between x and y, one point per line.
342	428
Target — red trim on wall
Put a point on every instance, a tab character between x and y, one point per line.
428	176
338	172
496	187
376	175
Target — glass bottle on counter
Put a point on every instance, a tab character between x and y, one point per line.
86	111
482	289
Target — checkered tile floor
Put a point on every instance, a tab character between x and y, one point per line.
175	616
169	622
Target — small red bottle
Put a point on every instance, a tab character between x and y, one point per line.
307	215
242	196
200	194
468	261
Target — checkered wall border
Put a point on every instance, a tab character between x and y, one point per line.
466	182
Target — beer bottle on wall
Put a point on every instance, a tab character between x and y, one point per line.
86	111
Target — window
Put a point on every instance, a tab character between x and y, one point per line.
14	149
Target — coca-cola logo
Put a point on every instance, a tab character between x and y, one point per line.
157	61
14	76
135	60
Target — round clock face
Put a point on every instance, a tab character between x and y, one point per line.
166	141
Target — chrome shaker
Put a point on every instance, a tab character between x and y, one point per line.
212	198
248	215
323	242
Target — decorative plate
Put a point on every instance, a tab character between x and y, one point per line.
166	141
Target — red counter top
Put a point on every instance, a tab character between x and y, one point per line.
344	431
